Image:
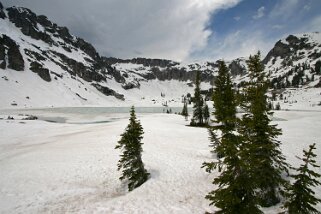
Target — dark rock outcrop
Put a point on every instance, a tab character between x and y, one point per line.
131	85
147	62
30	117
2	14
280	49
236	68
180	74
317	67
87	48
3	63
27	21
29	24
41	71
318	85
117	75
34	55
79	69
108	92
9	49
284	50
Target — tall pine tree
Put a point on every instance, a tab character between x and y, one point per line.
224	103
235	192
131	162
300	196
185	110
198	117
206	113
259	137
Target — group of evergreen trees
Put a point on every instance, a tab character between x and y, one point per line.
201	113
185	111
250	160
253	165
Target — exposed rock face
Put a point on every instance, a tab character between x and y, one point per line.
143	61
34	55
78	68
180	74
117	75
87	48
42	72
10	50
284	50
27	22
318	67
3	63
108	92
40	28
131	85
236	68
2	14
280	49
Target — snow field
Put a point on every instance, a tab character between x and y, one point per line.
65	168
73	168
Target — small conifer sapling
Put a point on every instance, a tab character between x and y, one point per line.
130	162
300	195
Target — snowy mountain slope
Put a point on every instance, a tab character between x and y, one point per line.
294	69
295	54
42	64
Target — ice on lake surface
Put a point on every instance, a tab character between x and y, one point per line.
91	115
86	115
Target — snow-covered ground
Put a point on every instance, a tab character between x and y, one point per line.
61	167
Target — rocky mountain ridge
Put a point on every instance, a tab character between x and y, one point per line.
36	46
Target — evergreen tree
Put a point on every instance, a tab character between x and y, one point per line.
259	137
131	162
235	192
185	110
224	103
224	98
301	196
206	113
198	103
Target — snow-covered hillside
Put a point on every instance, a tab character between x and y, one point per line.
72	168
43	65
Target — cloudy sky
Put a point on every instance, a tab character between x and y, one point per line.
182	30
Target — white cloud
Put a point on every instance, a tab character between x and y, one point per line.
240	43
284	9
237	18
307	7
313	26
259	13
277	27
125	28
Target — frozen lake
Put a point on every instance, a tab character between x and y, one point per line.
86	115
